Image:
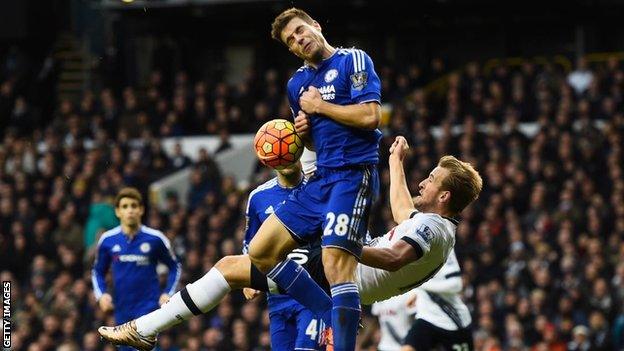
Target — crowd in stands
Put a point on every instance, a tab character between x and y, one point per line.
542	250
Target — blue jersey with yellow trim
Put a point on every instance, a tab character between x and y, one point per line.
347	77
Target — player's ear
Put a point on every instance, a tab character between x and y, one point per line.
316	25
445	196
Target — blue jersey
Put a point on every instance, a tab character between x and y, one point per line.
292	326
346	78
261	204
133	262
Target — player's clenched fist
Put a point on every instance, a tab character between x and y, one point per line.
310	100
398	150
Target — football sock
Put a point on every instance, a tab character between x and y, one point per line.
345	315
297	282
197	298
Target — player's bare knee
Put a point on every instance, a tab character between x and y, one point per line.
235	270
226	265
262	261
339	265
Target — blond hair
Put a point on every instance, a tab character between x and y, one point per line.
463	181
283	18
128	192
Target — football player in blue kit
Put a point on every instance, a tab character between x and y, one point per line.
292	326
132	251
335	97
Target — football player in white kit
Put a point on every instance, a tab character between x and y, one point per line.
416	249
395	320
402	259
442	318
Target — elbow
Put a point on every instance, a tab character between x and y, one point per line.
372	121
394	264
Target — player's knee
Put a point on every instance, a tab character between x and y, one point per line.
226	265
261	260
339	266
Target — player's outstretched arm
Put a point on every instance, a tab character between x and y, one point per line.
391	258
363	116
401	202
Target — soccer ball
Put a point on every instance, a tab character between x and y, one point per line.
277	144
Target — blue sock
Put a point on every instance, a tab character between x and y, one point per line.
345	315
296	281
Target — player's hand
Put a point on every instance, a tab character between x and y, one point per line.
398	150
106	303
310	100
302	124
250	293
163	299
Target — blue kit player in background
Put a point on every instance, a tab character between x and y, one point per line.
132	251
292	326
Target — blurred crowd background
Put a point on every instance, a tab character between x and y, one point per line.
542	250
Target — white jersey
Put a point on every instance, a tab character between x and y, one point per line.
438	301
394	321
308	161
434	235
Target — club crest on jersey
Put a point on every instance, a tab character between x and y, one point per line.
145	247
331	75
425	233
359	80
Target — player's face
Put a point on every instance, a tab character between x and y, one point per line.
304	39
429	190
129	211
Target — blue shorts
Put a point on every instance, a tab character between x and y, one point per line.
335	202
294	328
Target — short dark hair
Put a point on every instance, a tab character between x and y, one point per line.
128	192
283	18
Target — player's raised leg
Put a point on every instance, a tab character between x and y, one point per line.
231	272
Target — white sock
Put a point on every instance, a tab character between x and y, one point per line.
206	293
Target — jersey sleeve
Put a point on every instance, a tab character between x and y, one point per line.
420	238
166	256
252	225
293	96
100	267
363	81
